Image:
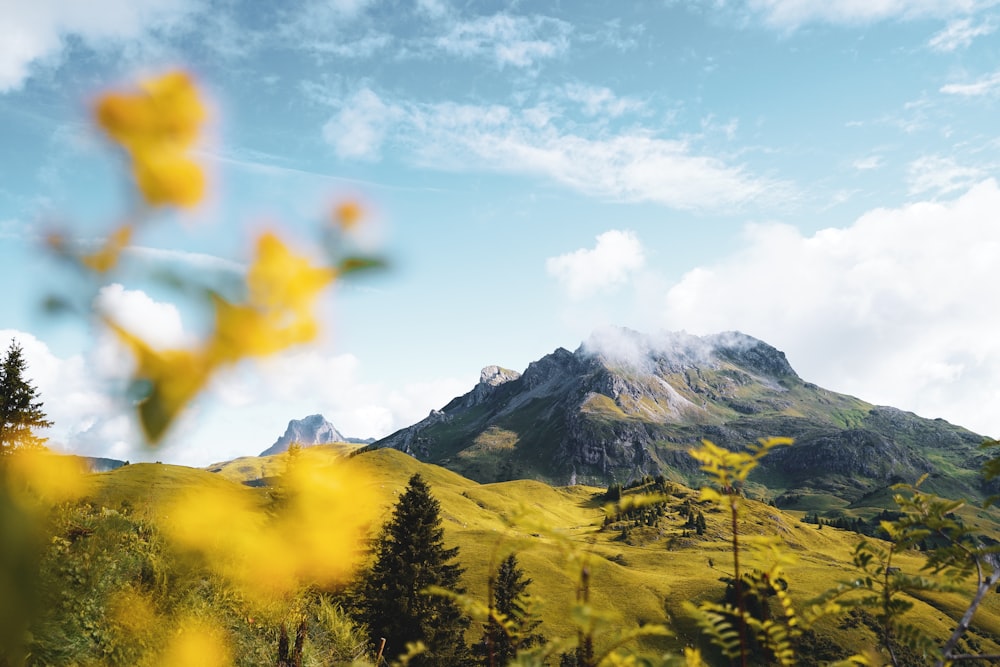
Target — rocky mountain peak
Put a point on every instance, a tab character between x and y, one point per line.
490	378
751	353
311	430
494	376
552	366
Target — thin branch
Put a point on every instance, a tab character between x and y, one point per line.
963	625
738	581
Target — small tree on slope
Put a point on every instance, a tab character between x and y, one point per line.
410	556
20	409
511	600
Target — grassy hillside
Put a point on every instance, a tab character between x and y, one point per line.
638	574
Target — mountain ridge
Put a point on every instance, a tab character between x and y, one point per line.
625	405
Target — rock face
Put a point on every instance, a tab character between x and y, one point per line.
490	378
625	405
313	430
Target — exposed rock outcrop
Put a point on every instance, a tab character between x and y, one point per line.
312	430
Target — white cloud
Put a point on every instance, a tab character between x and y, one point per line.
897	308
634	165
791	14
868	163
959	33
348	7
37	31
251	405
433	8
203	263
600	101
984	86
363	47
359	128
940	175
605	267
159	324
518	41
239	414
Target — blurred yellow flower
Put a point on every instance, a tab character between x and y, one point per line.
347	214
133	612
280	279
314	535
283	288
197	644
38	474
169	177
157	125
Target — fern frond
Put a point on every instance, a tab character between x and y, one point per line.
716	625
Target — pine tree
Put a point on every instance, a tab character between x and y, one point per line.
20	409
512	600
410	556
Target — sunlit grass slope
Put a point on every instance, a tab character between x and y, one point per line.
259	470
555	531
149	487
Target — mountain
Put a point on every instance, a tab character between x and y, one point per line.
98	464
626	405
312	430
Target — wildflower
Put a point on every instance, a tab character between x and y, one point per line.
157	127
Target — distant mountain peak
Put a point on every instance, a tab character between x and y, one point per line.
308	431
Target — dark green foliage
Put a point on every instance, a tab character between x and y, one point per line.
991	469
410	557
110	592
20	409
515	628
814	650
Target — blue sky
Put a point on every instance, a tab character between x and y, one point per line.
820	175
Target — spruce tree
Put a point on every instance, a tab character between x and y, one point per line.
499	646
410	556
20	409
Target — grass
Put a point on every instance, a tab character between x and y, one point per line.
641	583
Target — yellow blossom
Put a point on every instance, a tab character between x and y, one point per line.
197	644
347	214
315	536
283	288
40	474
157	125
281	279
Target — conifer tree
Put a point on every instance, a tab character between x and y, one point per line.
20	408
409	557
510	599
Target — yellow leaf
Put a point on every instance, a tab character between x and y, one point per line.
174	378
281	279
168	177
156	126
106	258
